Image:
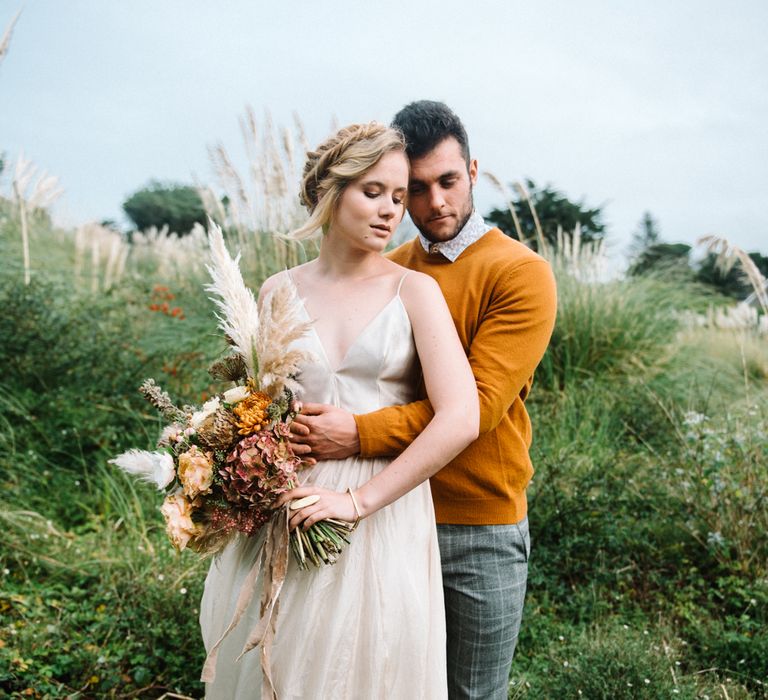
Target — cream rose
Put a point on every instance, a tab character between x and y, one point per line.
195	472
236	394
177	511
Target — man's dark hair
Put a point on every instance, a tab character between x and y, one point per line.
425	124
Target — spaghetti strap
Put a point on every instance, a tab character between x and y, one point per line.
402	279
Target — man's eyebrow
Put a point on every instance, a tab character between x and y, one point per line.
442	176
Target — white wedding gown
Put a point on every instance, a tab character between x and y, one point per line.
372	625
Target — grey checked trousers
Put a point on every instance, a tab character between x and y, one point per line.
485	569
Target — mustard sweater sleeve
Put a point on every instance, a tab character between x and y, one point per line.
512	338
510	341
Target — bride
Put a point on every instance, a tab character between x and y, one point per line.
372	625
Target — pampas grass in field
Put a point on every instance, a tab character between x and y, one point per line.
32	189
5	42
264	200
168	256
101	255
728	255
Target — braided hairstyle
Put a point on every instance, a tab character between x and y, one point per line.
340	159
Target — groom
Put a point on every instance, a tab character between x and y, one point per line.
502	298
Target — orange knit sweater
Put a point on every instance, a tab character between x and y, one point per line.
502	298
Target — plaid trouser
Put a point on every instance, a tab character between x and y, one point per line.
485	568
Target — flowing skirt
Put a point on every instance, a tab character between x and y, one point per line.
371	626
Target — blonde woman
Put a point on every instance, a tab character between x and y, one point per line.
372	625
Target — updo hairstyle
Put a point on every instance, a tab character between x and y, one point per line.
340	159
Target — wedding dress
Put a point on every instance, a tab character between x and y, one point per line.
372	626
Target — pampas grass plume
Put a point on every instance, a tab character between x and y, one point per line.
239	314
154	467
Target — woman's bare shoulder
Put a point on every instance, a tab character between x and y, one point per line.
274	281
419	288
407	276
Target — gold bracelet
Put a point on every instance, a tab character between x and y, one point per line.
357	509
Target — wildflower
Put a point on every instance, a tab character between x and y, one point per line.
692	418
715	539
160	577
183	591
646	681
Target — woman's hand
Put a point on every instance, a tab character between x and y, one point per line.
331	504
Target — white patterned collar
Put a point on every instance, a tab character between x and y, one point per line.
473	231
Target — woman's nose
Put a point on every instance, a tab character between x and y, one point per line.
387	209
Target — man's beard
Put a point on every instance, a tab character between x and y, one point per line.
459	226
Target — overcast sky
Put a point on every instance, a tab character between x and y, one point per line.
657	106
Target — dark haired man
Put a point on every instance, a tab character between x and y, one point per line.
502	298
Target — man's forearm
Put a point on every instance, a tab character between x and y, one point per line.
388	431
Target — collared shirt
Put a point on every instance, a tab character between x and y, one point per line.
473	231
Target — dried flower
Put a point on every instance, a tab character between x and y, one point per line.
195	472
177	511
236	394
252	413
209	408
161	401
258	470
219	431
229	369
155	467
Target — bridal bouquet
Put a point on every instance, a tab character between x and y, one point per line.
223	465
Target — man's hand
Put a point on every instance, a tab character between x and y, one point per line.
322	431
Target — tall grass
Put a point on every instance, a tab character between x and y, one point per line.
607	327
264	199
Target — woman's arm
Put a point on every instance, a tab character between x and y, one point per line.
452	393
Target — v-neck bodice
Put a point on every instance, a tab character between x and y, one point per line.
379	369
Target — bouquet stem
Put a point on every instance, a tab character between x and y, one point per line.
321	544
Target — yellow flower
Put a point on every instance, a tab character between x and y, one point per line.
177	511
252	413
195	472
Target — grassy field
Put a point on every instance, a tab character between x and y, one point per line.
649	573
